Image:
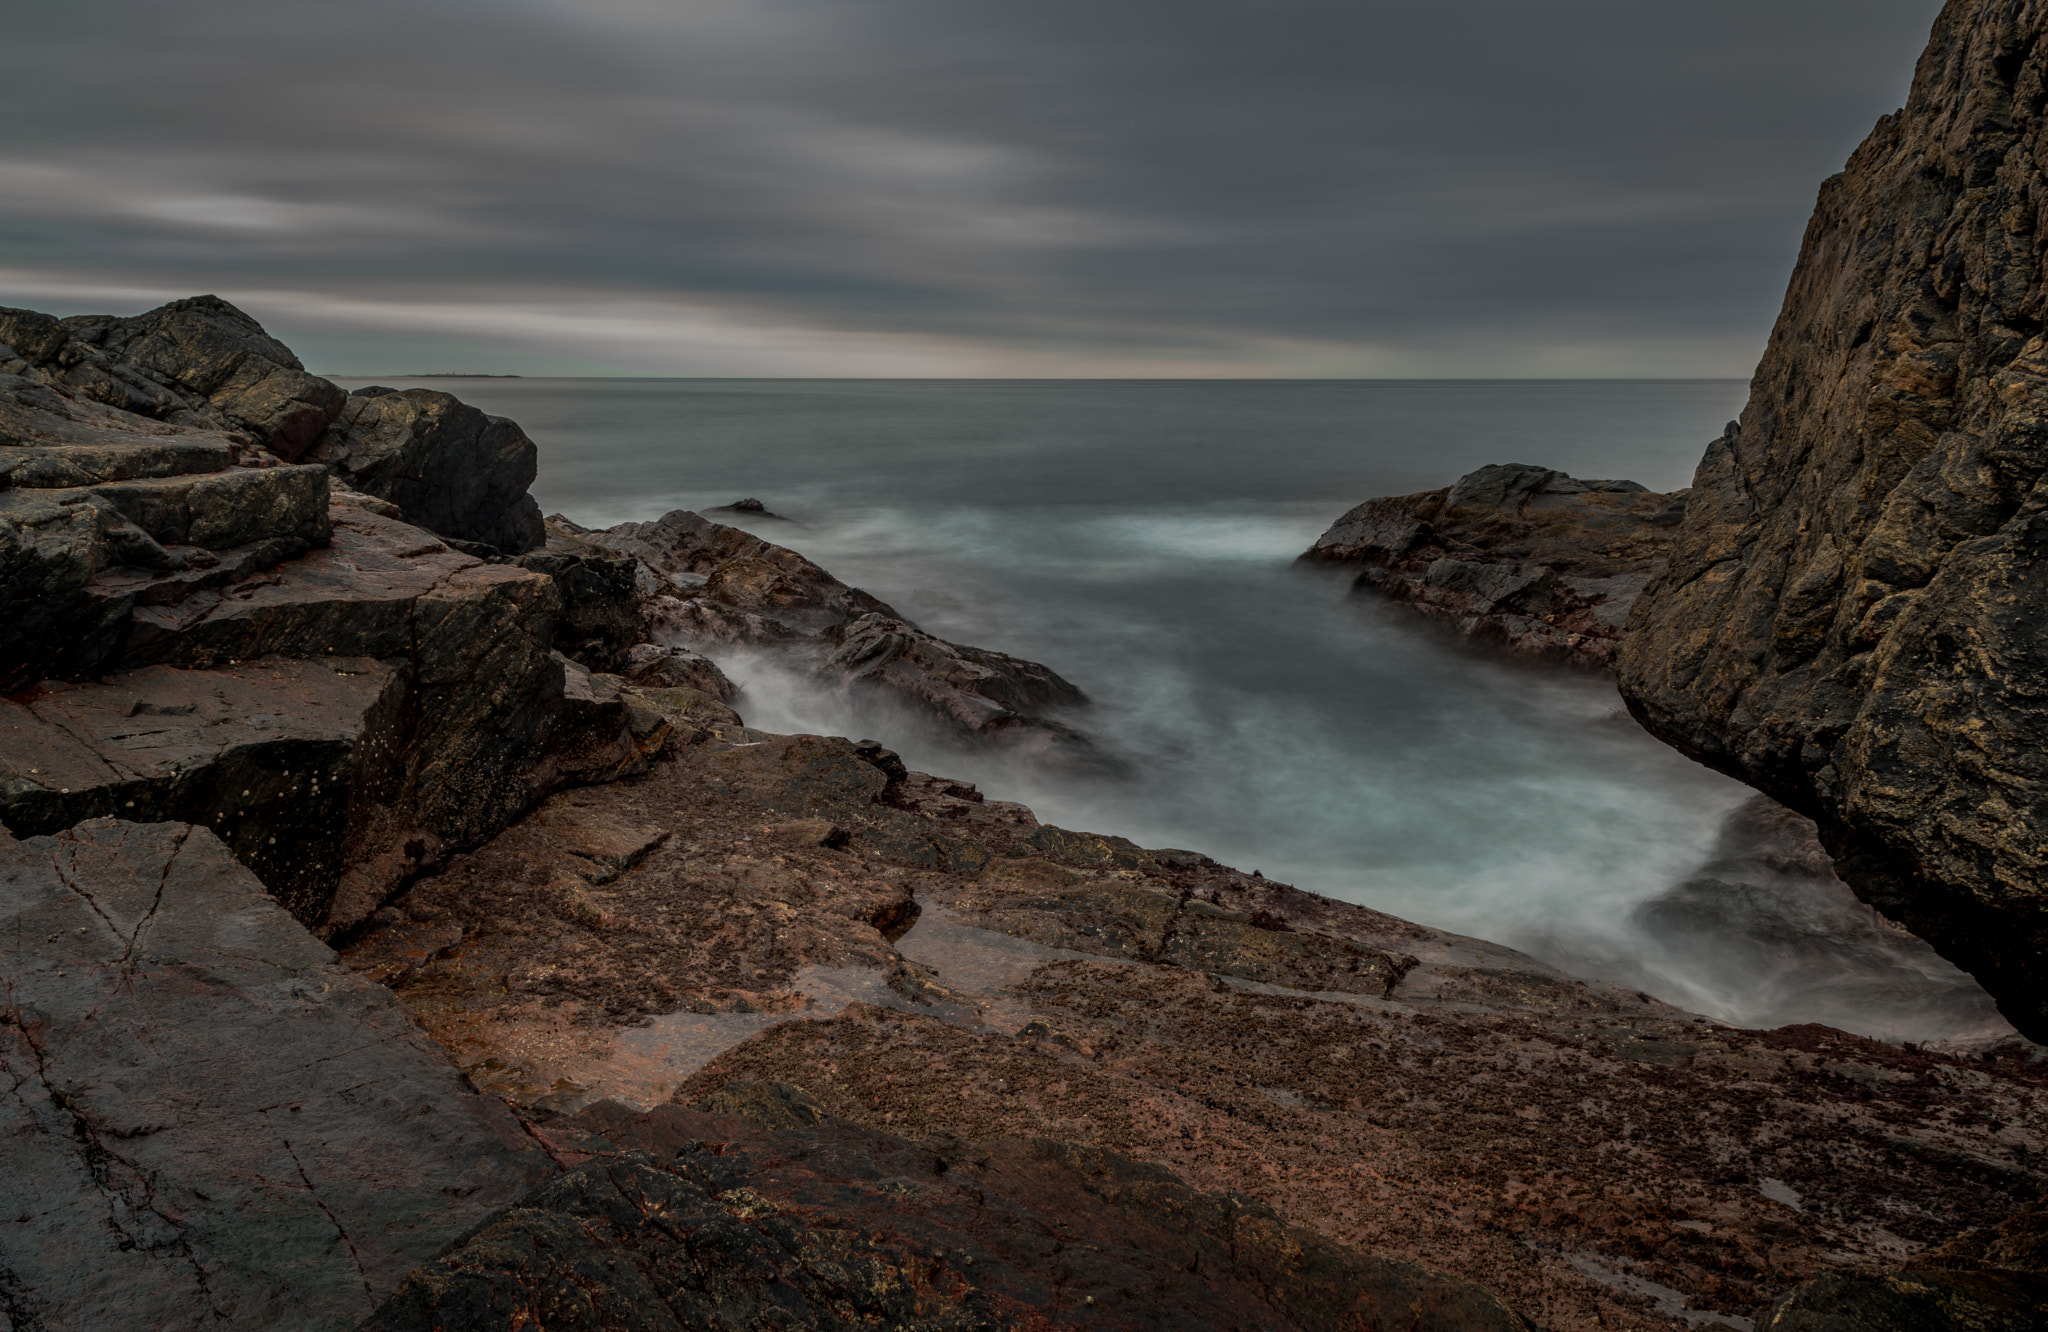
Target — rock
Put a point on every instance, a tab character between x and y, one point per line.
1990	1280
198	362
600	617
418	683
752	507
831	1226
1526	557
206	1122
709	583
938	966
447	466
201	365
658	666
1851	617
99	526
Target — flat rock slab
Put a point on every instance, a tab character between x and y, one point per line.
204	1120
705	1221
266	753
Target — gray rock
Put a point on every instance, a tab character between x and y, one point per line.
197	362
205	1121
447	466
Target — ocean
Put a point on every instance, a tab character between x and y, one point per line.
1139	538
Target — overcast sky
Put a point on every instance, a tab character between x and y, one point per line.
945	187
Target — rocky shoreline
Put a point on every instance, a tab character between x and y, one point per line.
1522	557
401	928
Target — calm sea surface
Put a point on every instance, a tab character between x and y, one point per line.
1139	538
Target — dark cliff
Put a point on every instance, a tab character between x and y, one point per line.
1852	616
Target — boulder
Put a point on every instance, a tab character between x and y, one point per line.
201	365
419	685
447	466
198	361
1851	620
659	666
207	1123
1525	557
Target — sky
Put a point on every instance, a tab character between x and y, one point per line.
977	188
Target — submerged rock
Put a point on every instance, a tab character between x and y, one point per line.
1851	621
1526	557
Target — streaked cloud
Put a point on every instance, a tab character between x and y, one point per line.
1484	187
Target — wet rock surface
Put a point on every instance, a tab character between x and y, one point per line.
706	583
799	1219
1541	563
204	1121
937	966
1851	617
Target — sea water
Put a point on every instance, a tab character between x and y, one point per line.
1140	538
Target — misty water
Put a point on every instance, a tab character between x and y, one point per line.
1139	538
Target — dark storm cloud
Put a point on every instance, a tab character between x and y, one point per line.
947	186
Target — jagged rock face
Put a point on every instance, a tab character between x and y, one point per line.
447	466
343	719
1852	616
1541	563
198	362
205	1122
201	365
717	584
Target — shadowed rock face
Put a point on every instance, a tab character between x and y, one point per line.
1852	617
1538	562
447	466
693	1220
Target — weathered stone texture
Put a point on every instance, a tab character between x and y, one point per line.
705	1221
204	1121
1541	563
710	583
1852	619
448	467
201	365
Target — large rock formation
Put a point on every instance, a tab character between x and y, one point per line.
1538	562
202	365
193	629
1852	618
